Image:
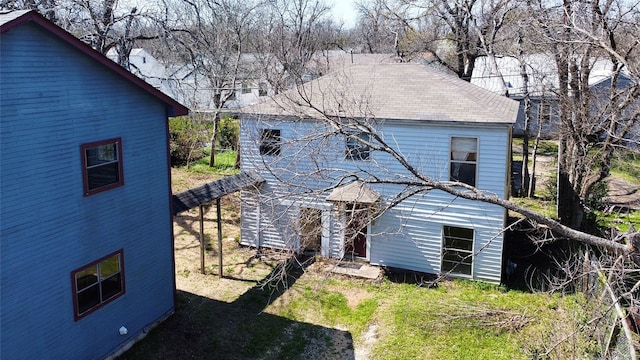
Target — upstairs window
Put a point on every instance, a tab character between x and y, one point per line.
355	148
102	166
245	88
545	113
231	95
457	250
463	160
98	283
262	89
270	142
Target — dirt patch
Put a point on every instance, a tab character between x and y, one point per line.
623	194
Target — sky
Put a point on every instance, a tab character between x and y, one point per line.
344	10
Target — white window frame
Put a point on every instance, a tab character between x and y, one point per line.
460	158
465	256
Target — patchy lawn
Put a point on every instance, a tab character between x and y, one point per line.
321	315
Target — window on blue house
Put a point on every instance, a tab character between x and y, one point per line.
102	166
356	149
457	250
97	283
270	142
463	160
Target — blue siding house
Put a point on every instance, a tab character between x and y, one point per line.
86	256
334	185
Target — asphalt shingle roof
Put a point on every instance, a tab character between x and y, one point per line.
392	91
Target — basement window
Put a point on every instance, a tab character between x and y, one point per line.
97	284
457	250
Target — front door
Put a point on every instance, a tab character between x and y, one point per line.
355	239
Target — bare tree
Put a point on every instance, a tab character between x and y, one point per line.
104	25
204	48
595	120
293	32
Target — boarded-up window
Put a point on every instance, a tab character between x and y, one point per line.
463	160
457	250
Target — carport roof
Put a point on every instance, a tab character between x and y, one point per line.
208	192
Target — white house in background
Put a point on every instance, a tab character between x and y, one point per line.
542	84
326	191
190	86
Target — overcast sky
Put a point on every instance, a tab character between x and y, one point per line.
344	10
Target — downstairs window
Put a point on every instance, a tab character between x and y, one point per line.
97	283
457	250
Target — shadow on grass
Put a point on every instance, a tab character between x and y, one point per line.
203	328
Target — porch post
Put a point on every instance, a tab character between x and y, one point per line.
219	216
201	239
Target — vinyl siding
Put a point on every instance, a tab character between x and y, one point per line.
409	236
52	100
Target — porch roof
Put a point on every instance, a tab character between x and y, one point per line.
354	192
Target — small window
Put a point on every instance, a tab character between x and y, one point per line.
102	166
245	88
463	160
457	250
355	148
98	283
270	142
545	113
262	89
231	95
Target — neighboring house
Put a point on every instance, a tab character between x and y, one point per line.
325	190
86	239
542	86
147	67
542	81
192	87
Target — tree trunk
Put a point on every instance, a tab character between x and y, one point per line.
237	164
531	190
214	138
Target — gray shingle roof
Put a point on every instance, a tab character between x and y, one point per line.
392	91
355	191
